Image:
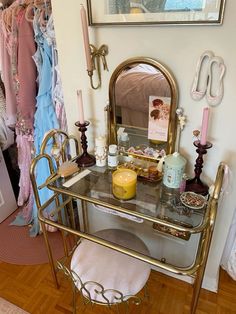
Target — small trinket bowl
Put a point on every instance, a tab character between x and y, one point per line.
193	200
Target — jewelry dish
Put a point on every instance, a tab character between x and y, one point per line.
193	200
144	172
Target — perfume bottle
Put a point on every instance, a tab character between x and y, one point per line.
123	142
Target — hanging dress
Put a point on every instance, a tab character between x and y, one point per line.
6	134
26	101
45	117
8	46
57	92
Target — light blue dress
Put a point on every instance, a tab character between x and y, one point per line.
45	119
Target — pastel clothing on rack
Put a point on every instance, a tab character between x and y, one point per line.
25	198
24	145
59	101
9	44
45	120
7	78
26	96
18	47
6	135
39	39
27	74
34	99
2	102
57	93
49	33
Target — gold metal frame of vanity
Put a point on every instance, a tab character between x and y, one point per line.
196	270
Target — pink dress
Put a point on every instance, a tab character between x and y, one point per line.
7	73
19	76
27	74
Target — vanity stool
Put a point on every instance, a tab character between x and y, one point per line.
107	277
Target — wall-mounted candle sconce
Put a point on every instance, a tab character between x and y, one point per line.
93	55
98	56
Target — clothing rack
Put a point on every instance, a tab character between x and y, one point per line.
34	95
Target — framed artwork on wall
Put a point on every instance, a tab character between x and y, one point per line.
151	12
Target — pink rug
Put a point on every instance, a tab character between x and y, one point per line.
17	247
9	308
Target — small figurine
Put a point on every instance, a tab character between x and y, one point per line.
100	151
181	123
181	118
196	134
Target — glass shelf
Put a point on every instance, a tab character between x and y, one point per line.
153	201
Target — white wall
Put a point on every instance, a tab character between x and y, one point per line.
178	47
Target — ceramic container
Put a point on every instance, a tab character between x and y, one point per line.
173	170
100	151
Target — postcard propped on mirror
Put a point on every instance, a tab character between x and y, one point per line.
158	118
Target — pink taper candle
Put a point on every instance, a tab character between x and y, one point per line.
81	109
204	128
86	38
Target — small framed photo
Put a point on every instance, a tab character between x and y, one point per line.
159	117
148	12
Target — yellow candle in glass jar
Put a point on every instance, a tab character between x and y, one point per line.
124	183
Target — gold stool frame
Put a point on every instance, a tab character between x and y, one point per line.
66	204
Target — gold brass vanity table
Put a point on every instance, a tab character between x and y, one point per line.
148	204
153	206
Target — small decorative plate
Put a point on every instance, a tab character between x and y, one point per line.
158	178
193	200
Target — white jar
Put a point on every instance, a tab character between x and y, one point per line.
112	156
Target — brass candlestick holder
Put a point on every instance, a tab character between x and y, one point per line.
195	184
85	159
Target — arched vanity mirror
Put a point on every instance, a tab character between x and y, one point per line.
143	98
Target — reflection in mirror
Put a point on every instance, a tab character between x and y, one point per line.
132	90
143	97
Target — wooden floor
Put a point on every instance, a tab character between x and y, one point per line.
31	288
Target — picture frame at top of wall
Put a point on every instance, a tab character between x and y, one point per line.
154	12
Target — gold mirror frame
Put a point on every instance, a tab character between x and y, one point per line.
172	129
